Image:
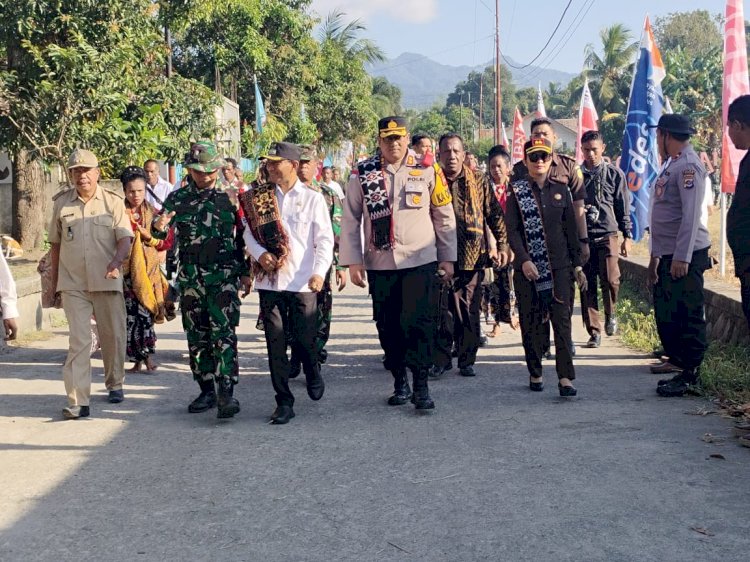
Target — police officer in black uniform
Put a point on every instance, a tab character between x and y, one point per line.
679	254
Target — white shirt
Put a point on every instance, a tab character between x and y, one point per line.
708	201
305	218
336	187
8	294
161	190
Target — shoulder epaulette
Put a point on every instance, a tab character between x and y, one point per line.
118	191
60	193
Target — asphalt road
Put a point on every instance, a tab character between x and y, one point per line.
495	473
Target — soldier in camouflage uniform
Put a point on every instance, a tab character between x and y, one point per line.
337	274
208	233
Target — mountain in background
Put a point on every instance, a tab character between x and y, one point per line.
425	82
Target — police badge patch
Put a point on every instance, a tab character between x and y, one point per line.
688	178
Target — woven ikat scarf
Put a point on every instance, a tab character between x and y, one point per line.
535	239
261	209
372	180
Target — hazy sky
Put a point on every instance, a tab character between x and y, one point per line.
461	31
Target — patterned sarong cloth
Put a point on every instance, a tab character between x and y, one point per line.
372	180
261	209
470	216
535	239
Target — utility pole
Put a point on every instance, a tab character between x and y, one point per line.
498	91
481	102
171	172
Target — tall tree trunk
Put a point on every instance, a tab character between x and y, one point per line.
29	201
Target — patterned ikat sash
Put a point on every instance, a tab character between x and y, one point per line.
372	180
535	240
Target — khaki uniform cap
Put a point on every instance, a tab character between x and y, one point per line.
80	158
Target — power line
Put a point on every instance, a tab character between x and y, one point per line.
559	23
570	32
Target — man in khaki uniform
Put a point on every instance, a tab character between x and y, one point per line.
90	236
409	237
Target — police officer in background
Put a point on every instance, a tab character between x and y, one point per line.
679	254
404	210
607	206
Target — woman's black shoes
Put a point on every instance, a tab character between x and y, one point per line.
566	391
536	386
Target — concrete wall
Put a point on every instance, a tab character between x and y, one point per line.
725	321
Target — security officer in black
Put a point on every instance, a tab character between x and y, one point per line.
607	206
679	254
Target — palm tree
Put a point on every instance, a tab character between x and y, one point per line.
344	35
610	73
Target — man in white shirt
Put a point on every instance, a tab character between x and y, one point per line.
157	188
330	182
8	300
290	237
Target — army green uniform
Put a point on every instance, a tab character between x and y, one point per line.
325	296
208	234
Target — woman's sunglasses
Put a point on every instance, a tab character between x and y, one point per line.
539	156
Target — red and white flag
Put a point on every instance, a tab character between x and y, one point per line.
587	118
504	140
540	111
735	85
519	137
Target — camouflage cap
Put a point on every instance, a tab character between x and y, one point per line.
308	153
204	157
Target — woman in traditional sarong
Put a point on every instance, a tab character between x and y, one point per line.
543	235
144	283
500	294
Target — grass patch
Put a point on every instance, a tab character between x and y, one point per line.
725	372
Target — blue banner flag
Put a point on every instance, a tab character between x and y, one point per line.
260	111
640	155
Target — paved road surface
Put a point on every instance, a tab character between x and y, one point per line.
495	473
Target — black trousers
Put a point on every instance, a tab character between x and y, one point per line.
460	319
679	312
297	313
742	271
535	327
403	307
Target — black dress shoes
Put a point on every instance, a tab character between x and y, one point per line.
594	341
436	372
467	371
115	396
679	385
566	391
536	386
282	414
75	412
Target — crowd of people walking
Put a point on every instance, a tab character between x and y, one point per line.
434	239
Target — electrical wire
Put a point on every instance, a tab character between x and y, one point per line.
558	48
559	23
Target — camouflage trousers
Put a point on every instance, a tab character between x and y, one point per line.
210	315
325	313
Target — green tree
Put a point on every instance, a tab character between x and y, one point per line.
697	32
86	74
386	97
467	93
431	123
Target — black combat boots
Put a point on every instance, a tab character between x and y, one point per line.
228	405
401	389
421	397
206	400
